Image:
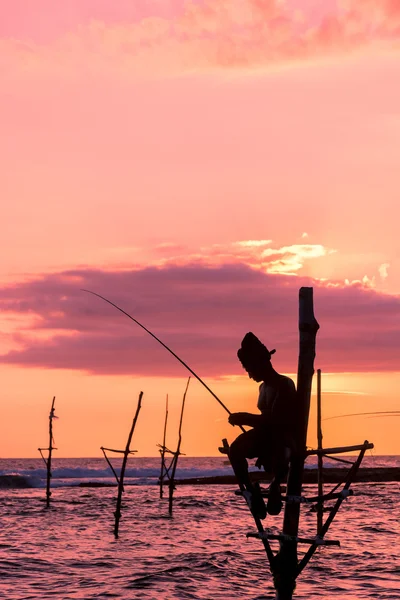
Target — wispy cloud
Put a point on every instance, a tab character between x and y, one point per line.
383	270
204	35
258	254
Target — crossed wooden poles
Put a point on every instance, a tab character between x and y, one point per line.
126	453
284	565
47	461
168	471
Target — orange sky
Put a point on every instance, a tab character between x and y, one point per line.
197	162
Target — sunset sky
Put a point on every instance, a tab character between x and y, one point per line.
197	162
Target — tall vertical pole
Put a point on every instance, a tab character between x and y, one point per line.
320	505
162	451
48	462
285	564
176	455
127	451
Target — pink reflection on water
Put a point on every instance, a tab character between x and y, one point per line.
69	551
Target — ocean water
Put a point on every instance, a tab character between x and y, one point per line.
69	551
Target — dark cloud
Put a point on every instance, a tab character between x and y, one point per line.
202	313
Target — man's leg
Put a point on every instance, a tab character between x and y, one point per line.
280	466
245	446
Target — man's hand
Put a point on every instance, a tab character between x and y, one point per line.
237	418
244	418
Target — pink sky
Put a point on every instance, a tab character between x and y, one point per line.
196	162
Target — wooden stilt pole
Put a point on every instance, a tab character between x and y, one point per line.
126	453
50	449
123	467
176	455
51	416
162	450
320	505
285	562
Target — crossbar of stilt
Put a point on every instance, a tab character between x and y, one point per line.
318	541
340	449
336	458
310	499
118	451
165	449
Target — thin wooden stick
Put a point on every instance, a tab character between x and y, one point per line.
123	467
109	462
176	456
50	450
163	449
320	504
51	416
118	451
341	449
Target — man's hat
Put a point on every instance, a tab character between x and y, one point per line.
252	350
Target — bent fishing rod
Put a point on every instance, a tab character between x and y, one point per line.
164	345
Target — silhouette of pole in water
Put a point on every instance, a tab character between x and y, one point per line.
320	505
47	461
126	452
285	562
163	449
174	462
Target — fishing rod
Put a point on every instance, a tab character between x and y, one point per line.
386	413
165	346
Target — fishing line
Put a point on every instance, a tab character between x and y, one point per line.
164	345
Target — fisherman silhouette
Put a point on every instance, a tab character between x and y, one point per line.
271	438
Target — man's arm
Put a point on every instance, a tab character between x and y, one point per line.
243	418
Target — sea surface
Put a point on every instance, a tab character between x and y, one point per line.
69	551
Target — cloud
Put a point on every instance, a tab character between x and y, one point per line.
383	270
257	254
201	312
366	282
204	35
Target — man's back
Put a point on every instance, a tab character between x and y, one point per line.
277	403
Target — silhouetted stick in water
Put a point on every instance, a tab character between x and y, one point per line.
176	455
320	505
126	452
50	449
163	450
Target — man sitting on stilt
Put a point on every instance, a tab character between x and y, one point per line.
271	438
